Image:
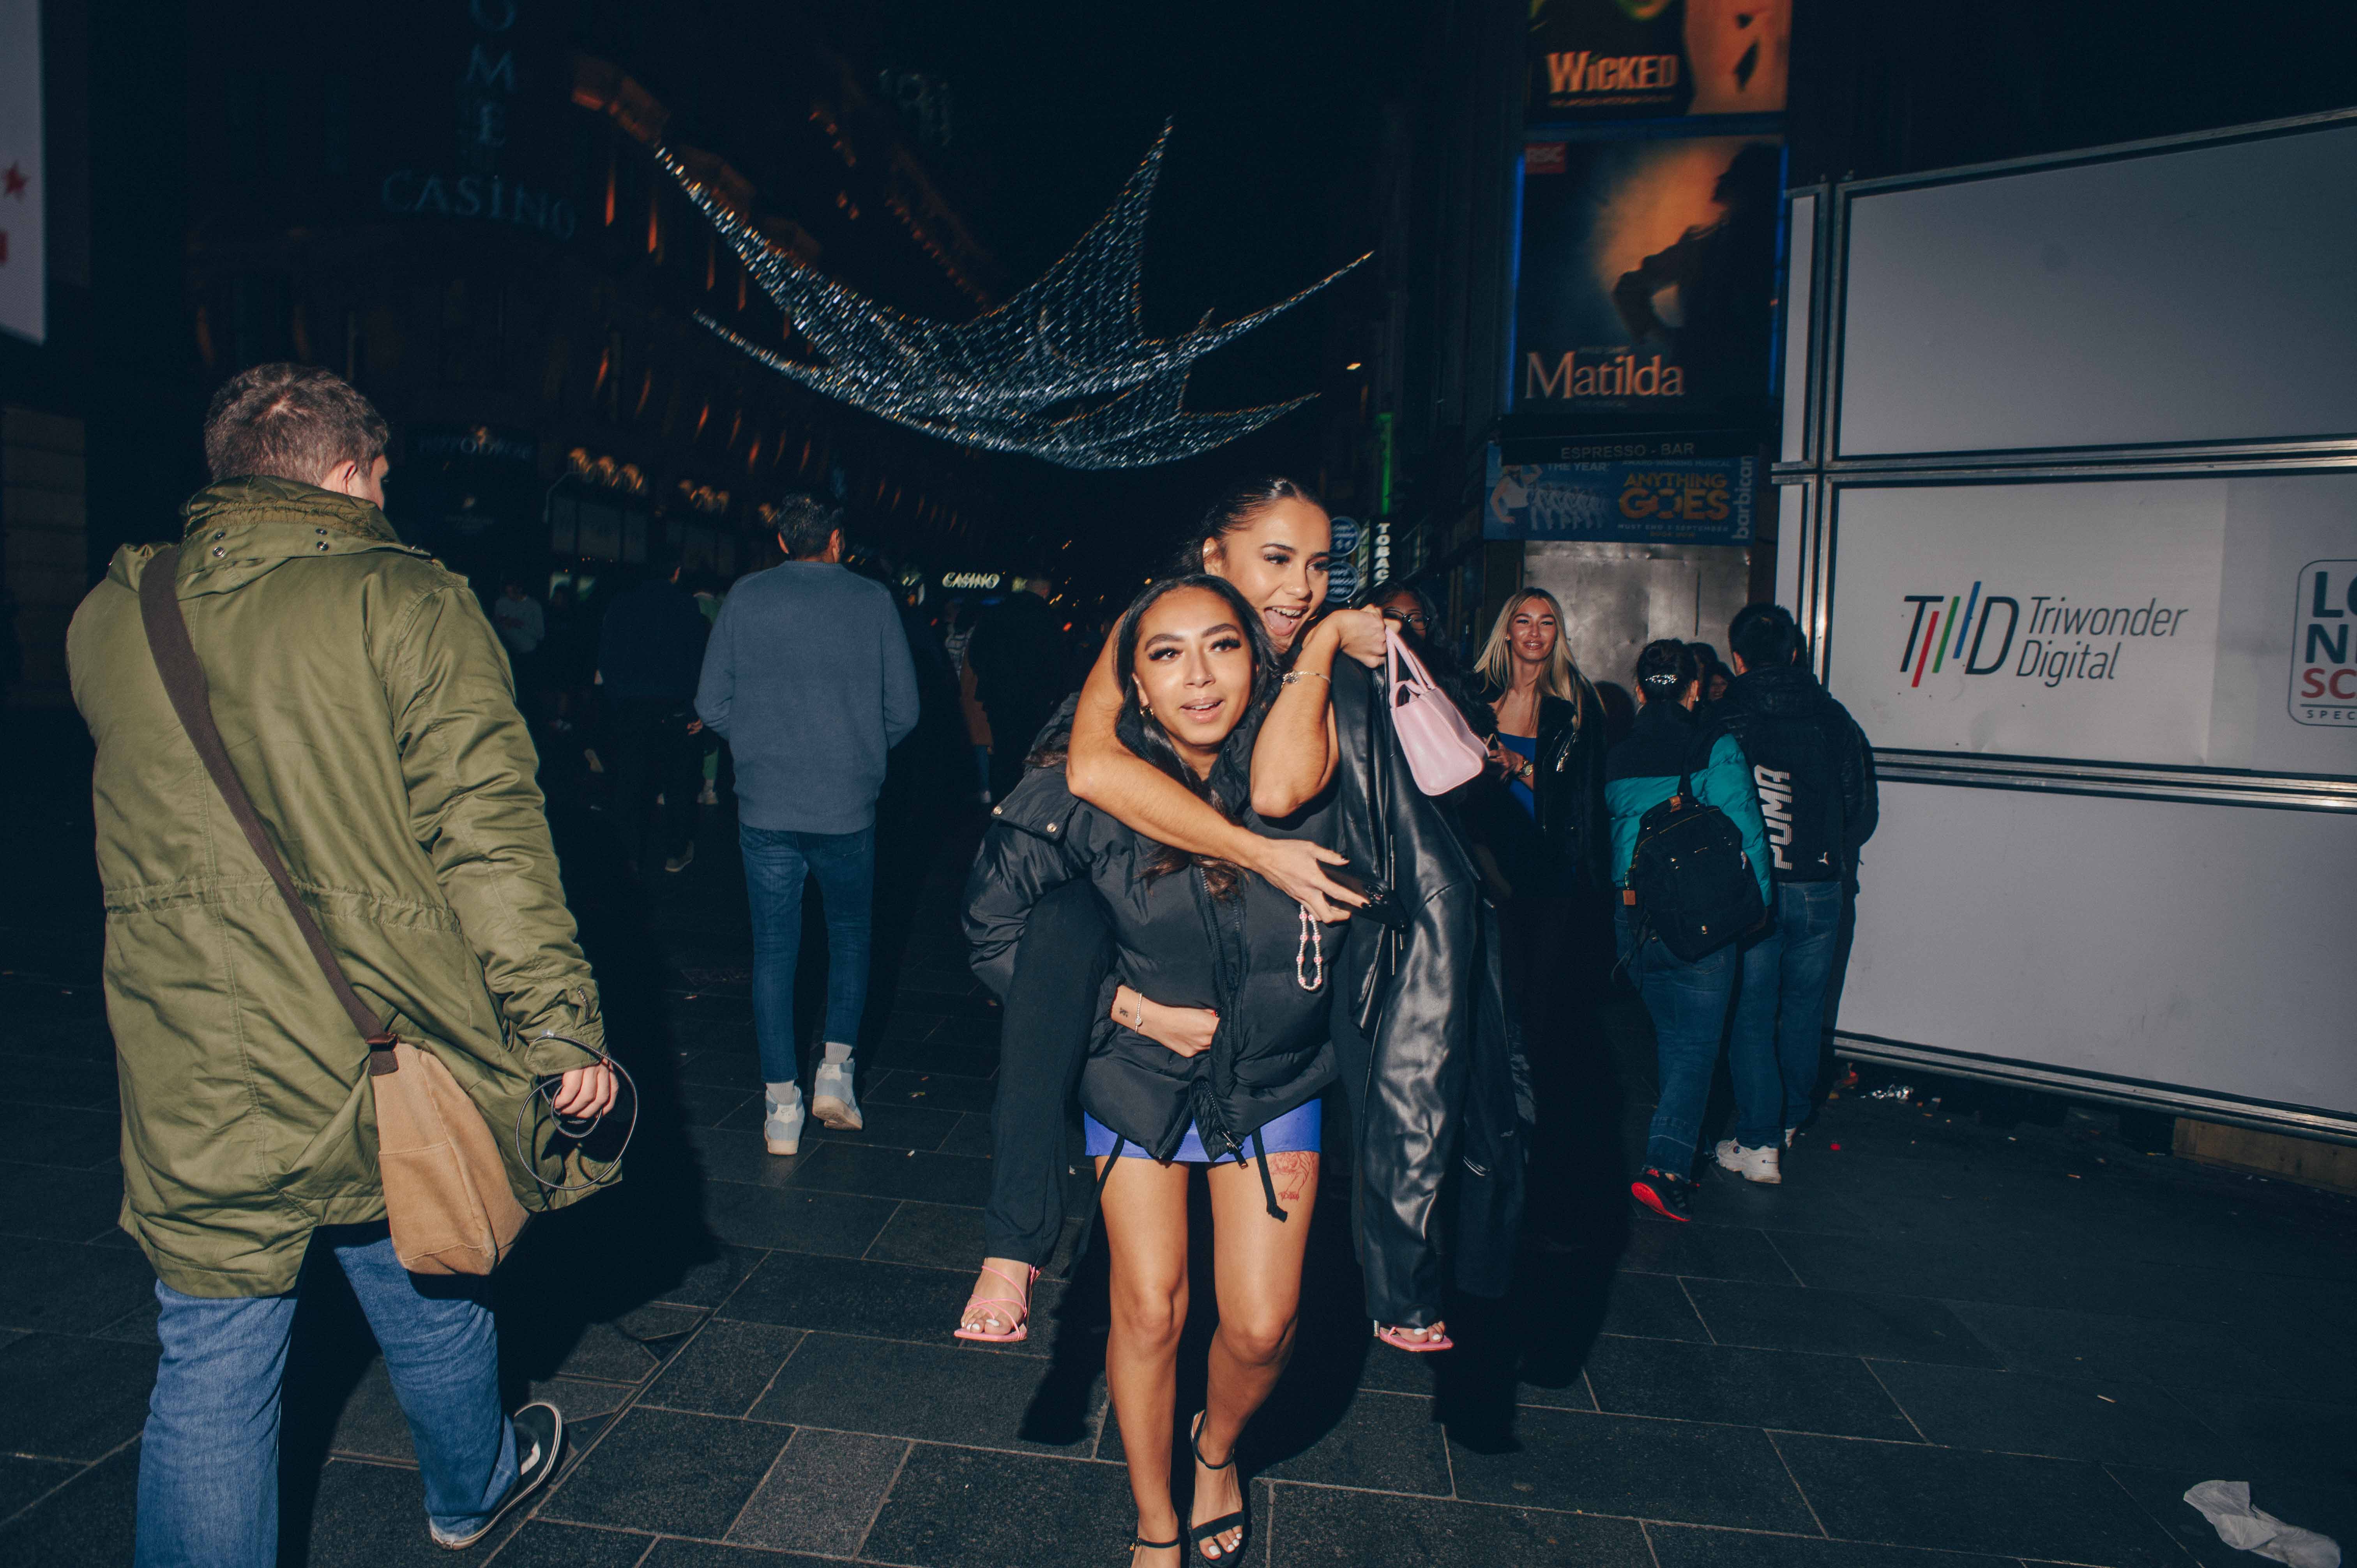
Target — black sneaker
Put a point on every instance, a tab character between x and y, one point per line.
540	1447
1671	1196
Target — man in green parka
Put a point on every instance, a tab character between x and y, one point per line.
367	709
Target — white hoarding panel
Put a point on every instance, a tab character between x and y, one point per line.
2200	294
24	191
1800	302
2063	620
2157	939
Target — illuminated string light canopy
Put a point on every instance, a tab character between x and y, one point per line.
1063	371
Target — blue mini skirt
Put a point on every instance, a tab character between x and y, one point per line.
1295	1132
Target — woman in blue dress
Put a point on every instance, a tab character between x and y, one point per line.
1211	1051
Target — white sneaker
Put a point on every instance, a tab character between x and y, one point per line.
831	1097
781	1126
1761	1164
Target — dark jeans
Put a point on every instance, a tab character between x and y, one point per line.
654	755
1779	1013
776	862
1049	1013
1687	1003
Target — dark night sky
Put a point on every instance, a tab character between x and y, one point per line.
1278	109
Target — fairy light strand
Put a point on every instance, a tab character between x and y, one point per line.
1062	371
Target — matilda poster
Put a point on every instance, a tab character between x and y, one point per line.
1622	59
1647	274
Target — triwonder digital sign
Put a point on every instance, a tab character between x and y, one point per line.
2031	620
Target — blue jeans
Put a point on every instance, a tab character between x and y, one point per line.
1687	1003
209	1463
1781	1011
776	861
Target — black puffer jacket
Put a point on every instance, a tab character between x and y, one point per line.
1176	944
1812	767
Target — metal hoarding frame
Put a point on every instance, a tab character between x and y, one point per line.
1824	474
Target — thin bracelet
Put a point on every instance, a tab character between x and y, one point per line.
1293	675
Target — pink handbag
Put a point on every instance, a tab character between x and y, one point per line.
1442	750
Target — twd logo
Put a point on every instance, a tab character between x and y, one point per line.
1943	622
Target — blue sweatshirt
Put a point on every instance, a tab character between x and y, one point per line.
808	676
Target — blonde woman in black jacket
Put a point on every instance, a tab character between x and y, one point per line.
1213	1052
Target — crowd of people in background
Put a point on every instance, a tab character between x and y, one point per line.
1244	911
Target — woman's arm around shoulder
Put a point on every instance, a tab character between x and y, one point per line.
1104	773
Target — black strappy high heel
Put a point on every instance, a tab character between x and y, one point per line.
1137	1540
1240	1521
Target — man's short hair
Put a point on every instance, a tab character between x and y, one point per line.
1765	634
805	524
291	421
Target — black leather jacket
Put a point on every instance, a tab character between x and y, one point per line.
1443	1105
1568	846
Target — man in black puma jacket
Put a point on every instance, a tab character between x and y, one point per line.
1814	773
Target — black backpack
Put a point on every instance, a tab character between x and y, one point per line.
1693	884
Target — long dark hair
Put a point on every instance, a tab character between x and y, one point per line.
1233	509
1144	734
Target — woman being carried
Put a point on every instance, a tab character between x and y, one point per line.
1230	975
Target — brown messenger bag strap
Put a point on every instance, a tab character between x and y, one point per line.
184	682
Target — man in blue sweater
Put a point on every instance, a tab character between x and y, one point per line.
808	676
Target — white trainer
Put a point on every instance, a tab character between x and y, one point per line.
781	1126
830	1098
1763	1164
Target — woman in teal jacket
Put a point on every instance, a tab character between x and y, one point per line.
1687	1001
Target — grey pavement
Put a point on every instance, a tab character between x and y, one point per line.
1949	1340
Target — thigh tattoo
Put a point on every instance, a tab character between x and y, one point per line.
1293	1171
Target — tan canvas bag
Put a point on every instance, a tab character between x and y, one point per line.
446	1187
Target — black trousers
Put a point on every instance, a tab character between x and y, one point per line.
1050	1011
1013	728
653	754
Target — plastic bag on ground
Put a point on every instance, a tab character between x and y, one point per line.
2227	1506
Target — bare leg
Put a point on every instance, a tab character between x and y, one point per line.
1145	1216
1256	1271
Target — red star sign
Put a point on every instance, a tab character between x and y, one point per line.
12	182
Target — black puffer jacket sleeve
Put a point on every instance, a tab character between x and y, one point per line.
1027	850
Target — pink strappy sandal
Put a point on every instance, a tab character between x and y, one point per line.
1015	1336
1396	1336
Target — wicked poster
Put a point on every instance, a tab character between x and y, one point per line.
1622	60
1646	277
